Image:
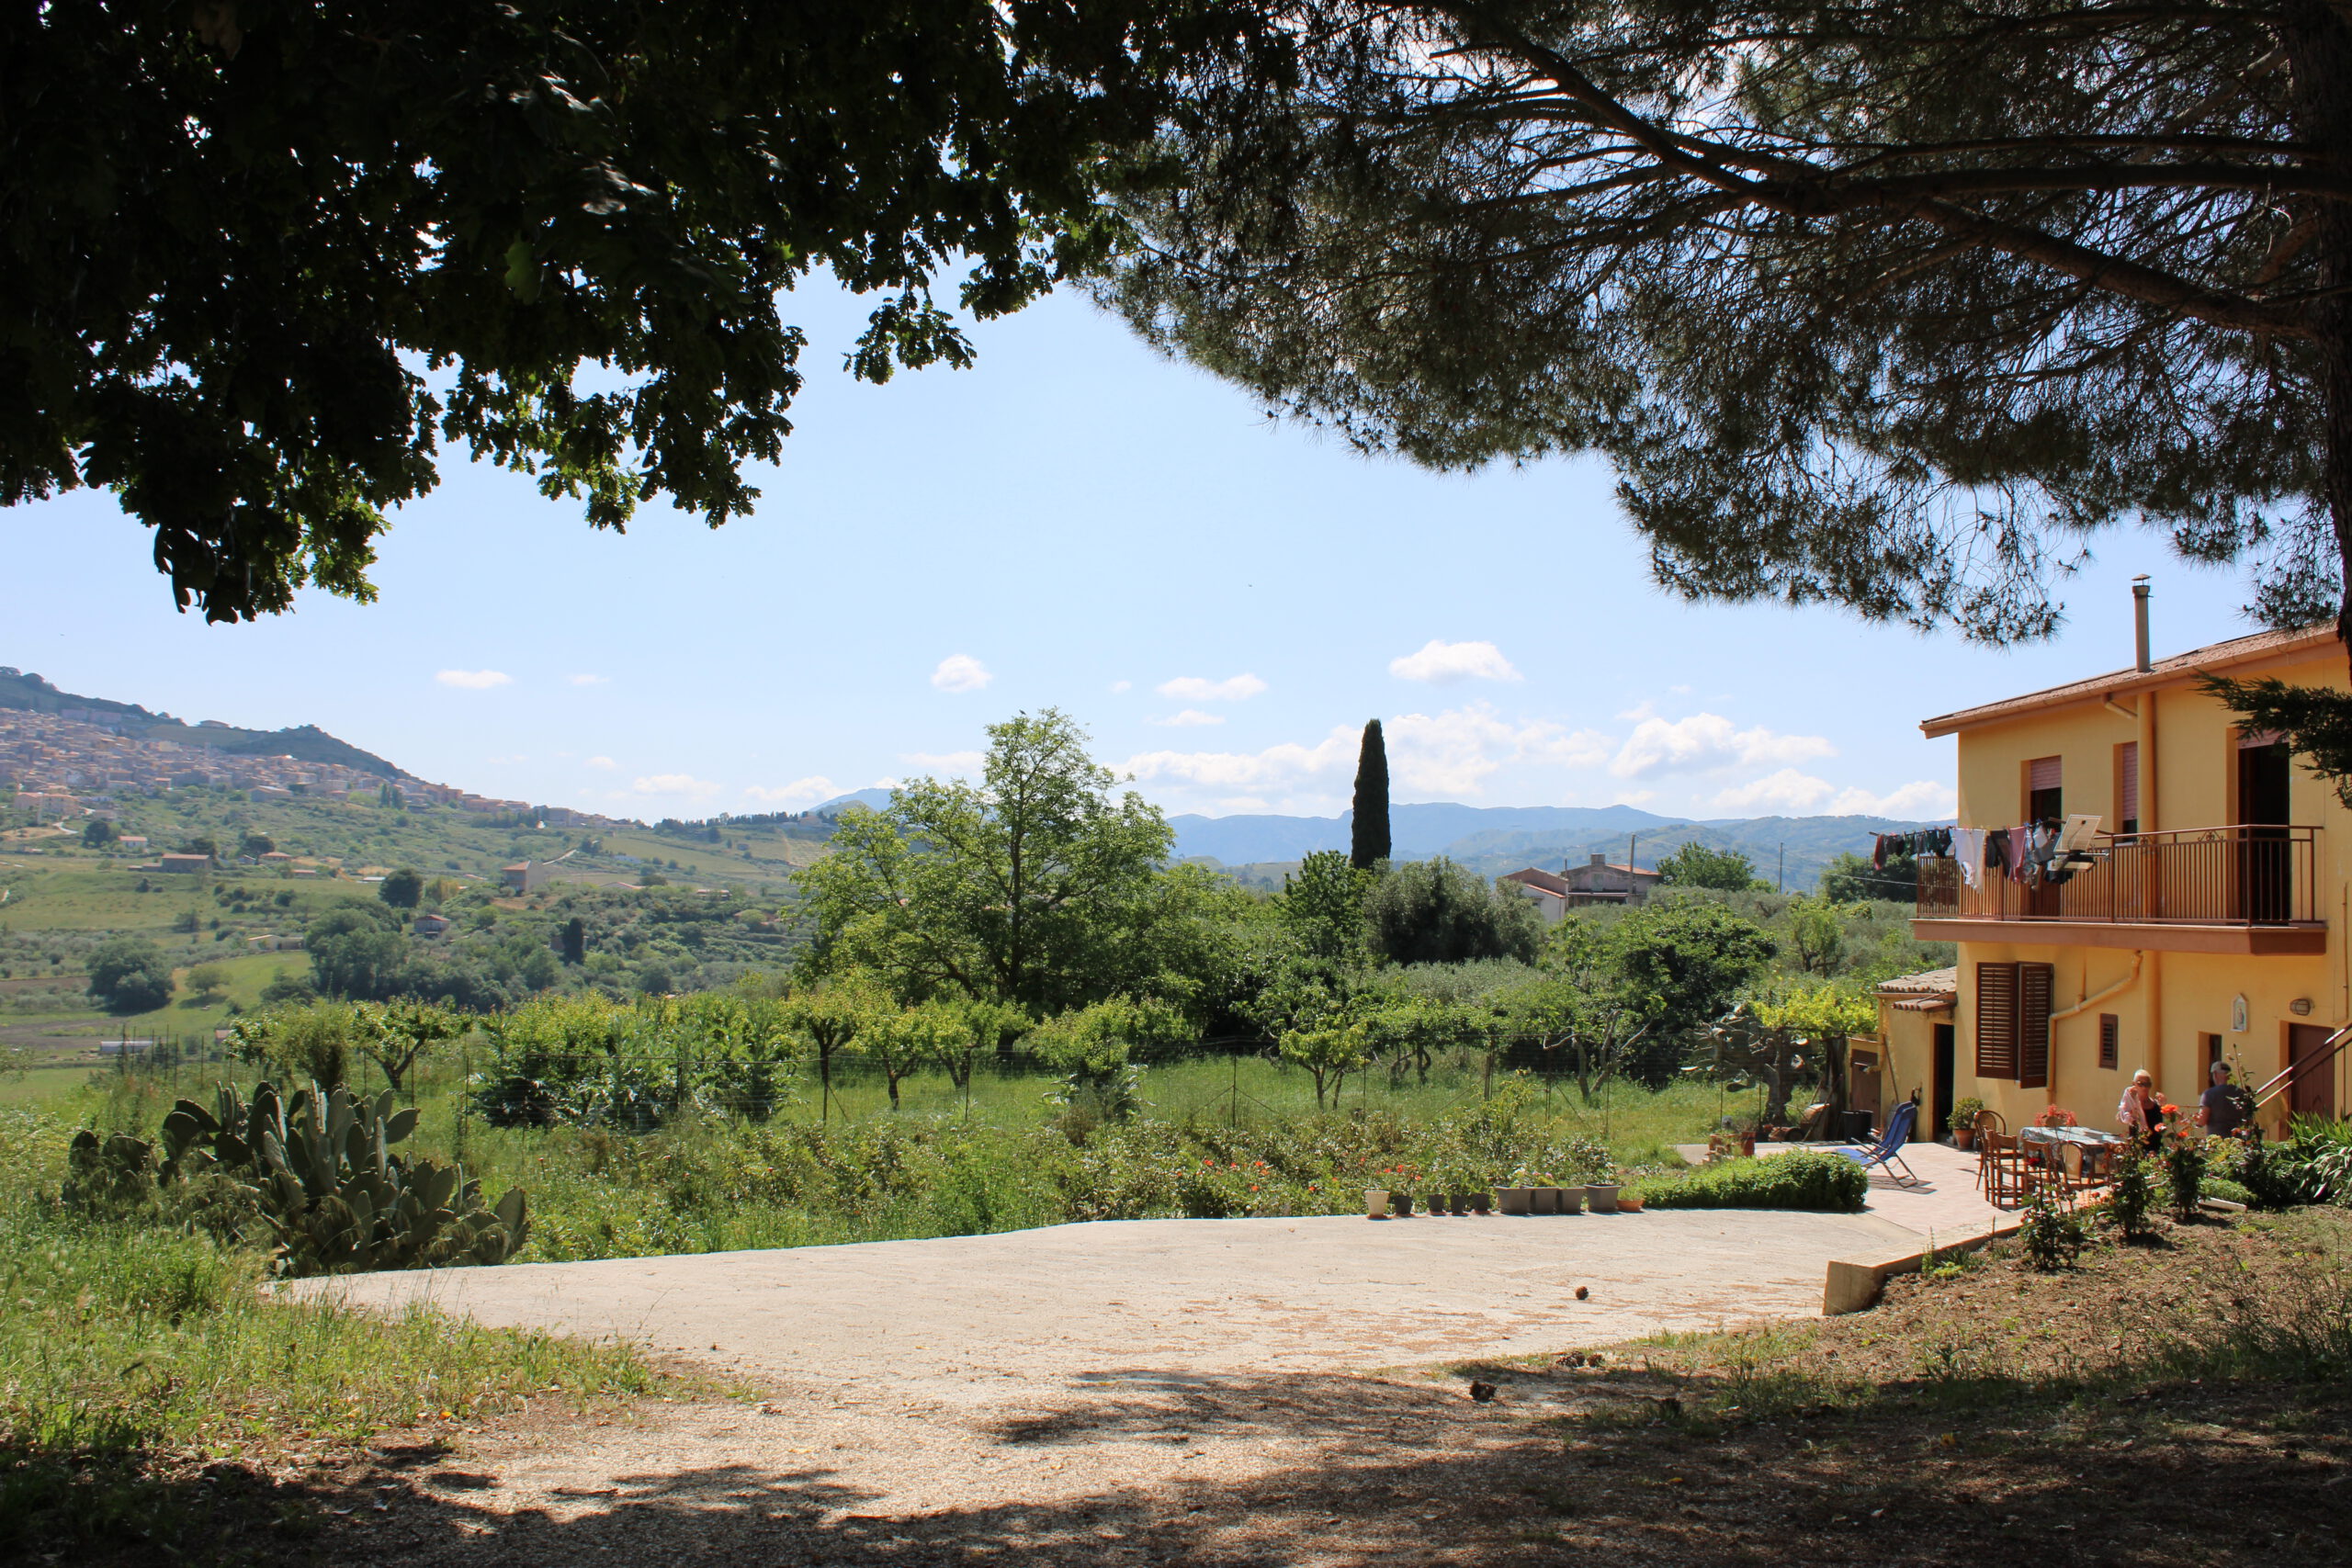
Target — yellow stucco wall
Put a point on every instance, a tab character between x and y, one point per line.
2178	998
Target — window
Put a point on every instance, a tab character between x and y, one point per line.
2013	1022
2110	1039
2127	787
2044	799
2212	1044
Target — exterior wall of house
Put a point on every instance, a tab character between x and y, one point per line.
1906	1047
2178	999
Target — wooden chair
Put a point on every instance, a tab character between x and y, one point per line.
2000	1169
1991	1122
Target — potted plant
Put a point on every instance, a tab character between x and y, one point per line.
1602	1196
1514	1200
1542	1197
1964	1111
1375	1203
2055	1116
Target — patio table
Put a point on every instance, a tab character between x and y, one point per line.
2097	1147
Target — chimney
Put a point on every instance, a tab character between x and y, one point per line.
2140	625
1600	860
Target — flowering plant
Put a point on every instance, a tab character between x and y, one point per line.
2056	1116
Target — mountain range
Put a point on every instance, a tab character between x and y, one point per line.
1491	839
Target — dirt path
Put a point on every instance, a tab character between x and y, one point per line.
1102	1392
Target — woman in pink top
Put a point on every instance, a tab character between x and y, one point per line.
2142	1113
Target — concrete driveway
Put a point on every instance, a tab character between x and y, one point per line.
957	1318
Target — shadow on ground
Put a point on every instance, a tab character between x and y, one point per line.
1565	1462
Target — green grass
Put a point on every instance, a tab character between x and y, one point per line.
126	1353
1218	1137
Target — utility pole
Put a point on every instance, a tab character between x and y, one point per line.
1631	841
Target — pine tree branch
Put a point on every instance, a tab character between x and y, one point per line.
1805	190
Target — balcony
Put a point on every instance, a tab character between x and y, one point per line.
2236	890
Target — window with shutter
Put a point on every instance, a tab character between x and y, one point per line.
2035	983
1997	1021
2110	1039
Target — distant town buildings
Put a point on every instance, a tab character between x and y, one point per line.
78	760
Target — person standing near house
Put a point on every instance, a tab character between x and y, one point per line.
2224	1110
2142	1113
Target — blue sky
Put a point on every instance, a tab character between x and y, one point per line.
1222	600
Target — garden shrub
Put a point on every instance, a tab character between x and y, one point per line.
2131	1197
1804	1179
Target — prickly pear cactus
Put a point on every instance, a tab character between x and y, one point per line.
319	1169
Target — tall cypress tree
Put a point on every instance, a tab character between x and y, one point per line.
1368	842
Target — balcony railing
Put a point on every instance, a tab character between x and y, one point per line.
2213	876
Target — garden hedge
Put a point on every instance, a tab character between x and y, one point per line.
1802	1179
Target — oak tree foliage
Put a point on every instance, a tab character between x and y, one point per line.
263	258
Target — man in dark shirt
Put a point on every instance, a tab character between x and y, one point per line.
2225	1107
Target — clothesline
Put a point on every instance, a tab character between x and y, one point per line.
2034	852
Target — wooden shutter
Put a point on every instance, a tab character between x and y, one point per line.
2035	983
2127	784
2044	773
1997	1021
2111	1039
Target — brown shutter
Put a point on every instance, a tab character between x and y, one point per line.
2127	784
2111	1039
2044	773
2035	983
1997	1021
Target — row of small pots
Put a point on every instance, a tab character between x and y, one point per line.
1380	1203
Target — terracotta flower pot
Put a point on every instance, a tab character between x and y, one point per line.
1964	1137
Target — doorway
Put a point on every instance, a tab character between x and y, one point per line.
2311	1093
2263	867
1945	1035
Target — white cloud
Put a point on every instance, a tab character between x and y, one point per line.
591	680
1190	716
605	763
1792	794
941	762
1431	755
1275	768
960	672
474	679
1443	663
1200	689
1706	741
1118	686
1786	792
684	784
1454	752
1920	800
798	793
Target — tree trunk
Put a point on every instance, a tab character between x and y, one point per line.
2317	41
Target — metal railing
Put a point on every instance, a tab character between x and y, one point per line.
2221	876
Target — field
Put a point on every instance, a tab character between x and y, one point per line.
1218	1135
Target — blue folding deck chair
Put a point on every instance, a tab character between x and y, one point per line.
1888	1155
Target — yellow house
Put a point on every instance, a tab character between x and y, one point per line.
2206	919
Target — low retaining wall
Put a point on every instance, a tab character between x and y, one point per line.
1854	1283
